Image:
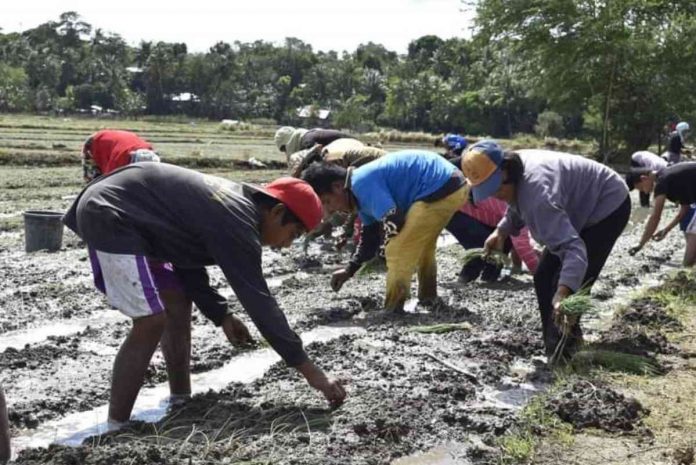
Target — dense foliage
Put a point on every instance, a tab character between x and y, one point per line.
613	70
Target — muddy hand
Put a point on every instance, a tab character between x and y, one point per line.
236	331
331	389
560	319
494	242
339	278
660	235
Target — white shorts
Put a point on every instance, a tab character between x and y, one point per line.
128	282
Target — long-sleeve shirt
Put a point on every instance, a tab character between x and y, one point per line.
649	160
558	196
490	212
191	220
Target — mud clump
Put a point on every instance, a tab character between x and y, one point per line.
635	340
587	405
647	312
35	357
113	455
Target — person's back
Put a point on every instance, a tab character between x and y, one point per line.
587	190
402	177
649	160
678	183
182	209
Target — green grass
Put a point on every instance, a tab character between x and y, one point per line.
536	422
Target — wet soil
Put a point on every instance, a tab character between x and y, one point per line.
404	395
648	312
592	405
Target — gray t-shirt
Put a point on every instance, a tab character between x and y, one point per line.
558	197
191	220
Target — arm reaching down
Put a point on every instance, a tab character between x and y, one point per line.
651	225
677	219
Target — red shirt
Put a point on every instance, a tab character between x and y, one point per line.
111	149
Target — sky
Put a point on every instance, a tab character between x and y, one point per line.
326	25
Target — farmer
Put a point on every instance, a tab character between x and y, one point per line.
646	160
575	207
344	152
108	149
678	184
677	139
5	451
290	140
413	194
152	212
102	153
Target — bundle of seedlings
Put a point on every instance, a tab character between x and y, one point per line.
477	262
615	361
570	310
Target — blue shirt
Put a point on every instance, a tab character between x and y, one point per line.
397	180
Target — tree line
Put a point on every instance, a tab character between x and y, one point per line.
615	71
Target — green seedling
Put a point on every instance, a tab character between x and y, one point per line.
441	328
495	257
614	361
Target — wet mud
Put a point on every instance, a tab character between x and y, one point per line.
408	391
592	405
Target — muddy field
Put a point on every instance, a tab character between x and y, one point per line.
446	395
416	396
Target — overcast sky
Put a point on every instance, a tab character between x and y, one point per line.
327	24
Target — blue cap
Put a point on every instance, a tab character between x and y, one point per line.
455	142
481	166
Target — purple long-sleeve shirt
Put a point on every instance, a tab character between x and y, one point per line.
559	196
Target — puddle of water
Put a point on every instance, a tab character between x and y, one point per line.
445	454
18	339
152	403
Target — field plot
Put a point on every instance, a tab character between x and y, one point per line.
449	391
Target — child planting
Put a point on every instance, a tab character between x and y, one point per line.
152	211
575	207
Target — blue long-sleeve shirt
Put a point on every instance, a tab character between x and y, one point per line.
559	196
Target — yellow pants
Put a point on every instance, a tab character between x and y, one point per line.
414	249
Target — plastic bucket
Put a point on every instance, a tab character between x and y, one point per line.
43	230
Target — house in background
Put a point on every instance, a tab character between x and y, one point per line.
313	116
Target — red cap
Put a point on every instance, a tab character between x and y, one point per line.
300	198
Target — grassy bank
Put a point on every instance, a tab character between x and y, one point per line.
666	429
